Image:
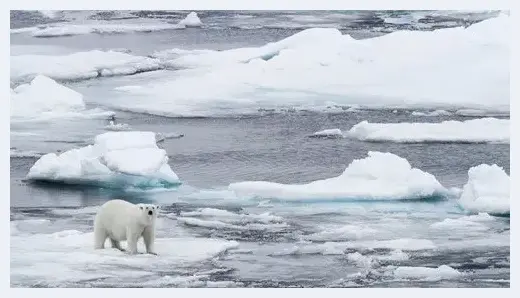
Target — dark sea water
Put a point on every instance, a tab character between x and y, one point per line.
236	243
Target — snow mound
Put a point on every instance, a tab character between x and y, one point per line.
328	133
487	190
442	69
116	159
191	20
484	130
426	273
44	96
80	65
380	176
67	258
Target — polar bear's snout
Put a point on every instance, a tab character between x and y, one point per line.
150	212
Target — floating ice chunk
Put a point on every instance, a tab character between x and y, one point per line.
395	255
328	133
484	130
97	27
347	232
426	273
191	20
51	14
22	153
116	159
234	217
487	190
380	176
480	113
160	137
457	224
435	113
67	257
407	244
80	65
117	127
44	96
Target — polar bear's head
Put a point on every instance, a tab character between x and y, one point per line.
148	213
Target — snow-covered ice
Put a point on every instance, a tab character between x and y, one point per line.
44	98
435	113
347	232
68	257
483	130
80	65
191	20
111	162
443	69
117	126
98	27
380	176
487	190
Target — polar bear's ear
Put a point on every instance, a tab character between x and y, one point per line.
141	207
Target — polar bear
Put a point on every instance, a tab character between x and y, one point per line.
120	220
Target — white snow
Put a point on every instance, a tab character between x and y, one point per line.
487	190
43	97
435	113
68	256
80	65
484	130
116	159
329	133
191	20
455	68
380	176
427	273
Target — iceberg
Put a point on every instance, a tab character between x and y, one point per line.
115	160
191	20
380	176
450	69
484	130
80	66
487	190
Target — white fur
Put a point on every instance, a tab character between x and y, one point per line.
119	220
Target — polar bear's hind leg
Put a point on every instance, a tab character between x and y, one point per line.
100	236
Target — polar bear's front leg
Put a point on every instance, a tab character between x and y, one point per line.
131	240
149	239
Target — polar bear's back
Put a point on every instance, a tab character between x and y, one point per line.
115	216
